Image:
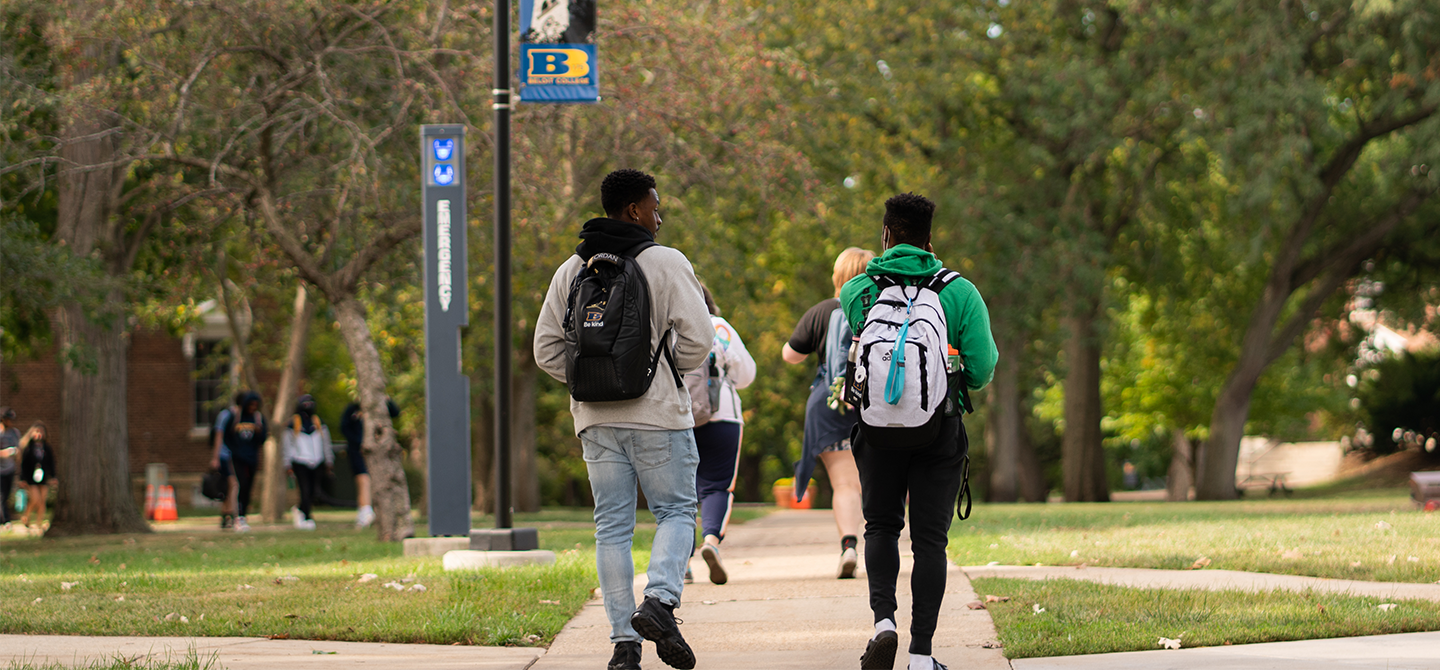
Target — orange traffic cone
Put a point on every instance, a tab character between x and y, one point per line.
150	501
165	506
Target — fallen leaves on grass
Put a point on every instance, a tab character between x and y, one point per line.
975	605
549	602
37	601
1355	564
94	560
1200	563
991	644
66	586
369	576
1293	554
1037	609
1169	643
418	587
1386	607
244	587
997	599
393	585
1381	525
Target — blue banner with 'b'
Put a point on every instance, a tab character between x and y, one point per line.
558	73
557	51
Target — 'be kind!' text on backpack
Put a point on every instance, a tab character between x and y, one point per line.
607	331
900	380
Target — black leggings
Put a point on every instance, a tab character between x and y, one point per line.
306	479
245	475
7	482
930	476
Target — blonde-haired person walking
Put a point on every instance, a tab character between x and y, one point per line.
823	330
37	471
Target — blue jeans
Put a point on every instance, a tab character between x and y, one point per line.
663	462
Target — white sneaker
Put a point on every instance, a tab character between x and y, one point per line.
240	525
297	517
365	517
309	524
848	559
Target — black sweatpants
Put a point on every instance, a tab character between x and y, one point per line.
930	476
306	479
245	475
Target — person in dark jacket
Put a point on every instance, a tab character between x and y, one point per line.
244	434
37	470
352	426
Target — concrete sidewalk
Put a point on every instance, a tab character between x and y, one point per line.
258	653
1406	651
783	608
1212	580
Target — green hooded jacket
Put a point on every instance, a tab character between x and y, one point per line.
966	318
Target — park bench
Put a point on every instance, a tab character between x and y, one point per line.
1275	481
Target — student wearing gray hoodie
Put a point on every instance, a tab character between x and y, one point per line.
649	439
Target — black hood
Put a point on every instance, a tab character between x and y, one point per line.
610	236
248	397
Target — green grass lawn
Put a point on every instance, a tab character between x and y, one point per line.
1086	618
1367	535
193	580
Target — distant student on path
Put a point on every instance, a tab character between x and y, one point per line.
37	471
9	452
352	426
823	330
718	433
591	335
911	442
220	462
243	433
307	457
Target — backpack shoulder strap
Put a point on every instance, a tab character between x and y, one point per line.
634	251
883	282
938	281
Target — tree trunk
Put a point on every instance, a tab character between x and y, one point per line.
1082	454
1182	468
383	454
272	497
1227	425
1006	426
93	449
524	476
482	454
92	454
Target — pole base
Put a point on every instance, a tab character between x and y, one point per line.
504	539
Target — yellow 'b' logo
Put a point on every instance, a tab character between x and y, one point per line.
567	63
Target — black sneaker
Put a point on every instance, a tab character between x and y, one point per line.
880	651
627	656
226	521
656	622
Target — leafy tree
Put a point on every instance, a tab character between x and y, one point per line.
1326	114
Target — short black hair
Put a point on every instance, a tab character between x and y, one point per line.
623	188
908	217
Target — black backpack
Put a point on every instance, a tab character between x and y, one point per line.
607	330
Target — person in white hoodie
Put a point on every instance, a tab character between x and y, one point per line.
307	456
718	439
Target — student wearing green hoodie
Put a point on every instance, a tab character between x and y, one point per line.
928	476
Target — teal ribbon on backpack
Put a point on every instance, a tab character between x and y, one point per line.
895	384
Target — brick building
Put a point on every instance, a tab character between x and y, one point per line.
175	387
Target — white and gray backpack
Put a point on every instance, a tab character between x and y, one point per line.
899	381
